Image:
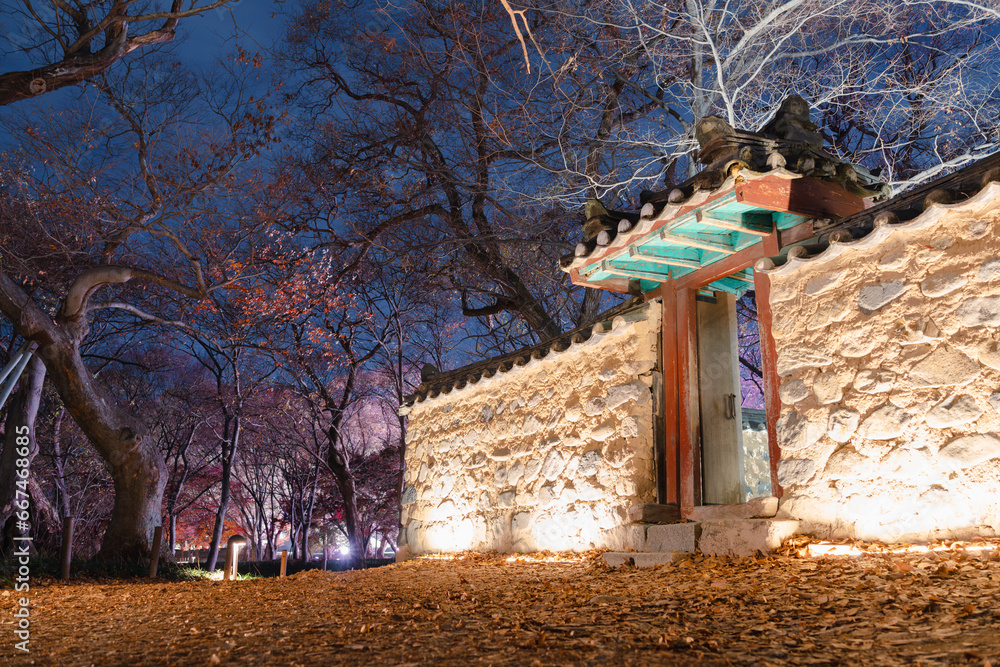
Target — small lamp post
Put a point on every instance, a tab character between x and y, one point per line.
233	546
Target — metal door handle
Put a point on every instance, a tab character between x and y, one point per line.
731	406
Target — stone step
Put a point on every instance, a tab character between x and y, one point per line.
744	537
654	513
719	537
643	559
755	508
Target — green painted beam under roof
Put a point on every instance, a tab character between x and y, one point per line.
695	240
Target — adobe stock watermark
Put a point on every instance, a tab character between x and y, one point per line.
22	615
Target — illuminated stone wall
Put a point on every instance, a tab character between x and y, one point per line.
548	455
889	357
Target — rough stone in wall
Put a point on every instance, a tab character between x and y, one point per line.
989	353
796	432
989	269
797	357
890	414
795	471
548	455
954	411
944	282
876	381
874	297
980	311
970	450
822	282
944	367
885	423
831	311
843	424
793	391
826	387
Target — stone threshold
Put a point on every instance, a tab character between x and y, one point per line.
755	508
722	537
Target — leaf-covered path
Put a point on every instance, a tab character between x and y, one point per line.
788	609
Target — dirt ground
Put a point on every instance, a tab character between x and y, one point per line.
788	609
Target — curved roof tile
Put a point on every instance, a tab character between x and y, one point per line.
967	189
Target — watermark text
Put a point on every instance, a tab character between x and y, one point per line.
22	540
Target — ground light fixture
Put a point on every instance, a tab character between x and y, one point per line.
233	546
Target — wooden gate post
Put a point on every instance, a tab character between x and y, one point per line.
284	562
66	551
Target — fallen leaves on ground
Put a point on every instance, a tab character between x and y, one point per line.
880	608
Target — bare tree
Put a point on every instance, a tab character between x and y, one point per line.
423	121
164	211
78	41
908	87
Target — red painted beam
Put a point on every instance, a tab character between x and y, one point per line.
726	266
621	285
689	441
769	361
670	391
801	196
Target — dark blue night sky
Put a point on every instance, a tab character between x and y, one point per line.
202	40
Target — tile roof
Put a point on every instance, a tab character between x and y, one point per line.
967	189
704	219
446	382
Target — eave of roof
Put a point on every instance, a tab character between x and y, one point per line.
970	188
688	233
472	374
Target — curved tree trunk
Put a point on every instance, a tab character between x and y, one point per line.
220	519
137	469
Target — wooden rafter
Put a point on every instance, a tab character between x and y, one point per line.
638	274
710	219
638	253
700	243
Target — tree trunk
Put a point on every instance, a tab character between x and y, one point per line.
43	508
307	512
341	469
124	443
172	538
21	412
133	460
293	525
228	462
304	537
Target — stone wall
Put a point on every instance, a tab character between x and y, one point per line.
889	358
548	455
756	463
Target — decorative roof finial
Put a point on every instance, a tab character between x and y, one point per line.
792	123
